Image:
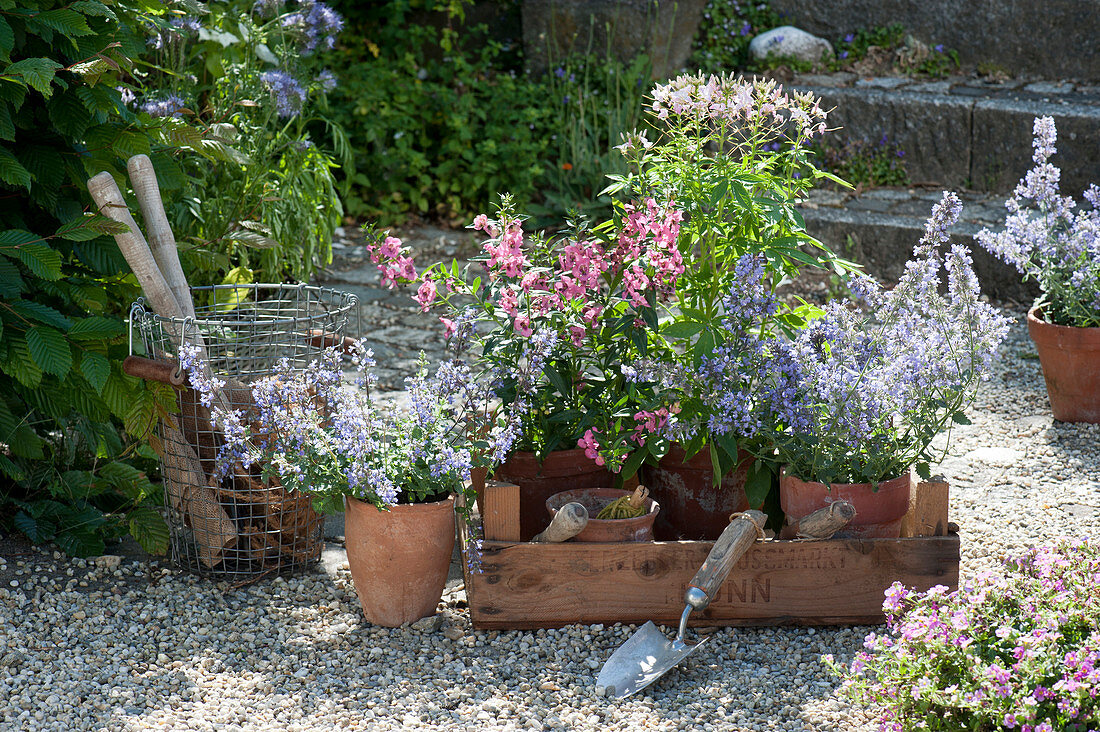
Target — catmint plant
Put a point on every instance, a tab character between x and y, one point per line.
1018	650
1051	242
859	395
552	320
327	439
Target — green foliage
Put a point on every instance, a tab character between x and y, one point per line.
62	289
601	101
439	128
722	42
866	164
260	197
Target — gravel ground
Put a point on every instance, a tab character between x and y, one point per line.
125	644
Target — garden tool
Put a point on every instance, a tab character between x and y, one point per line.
648	654
569	521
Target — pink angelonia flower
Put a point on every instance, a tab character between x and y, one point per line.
533	281
448	327
591	447
522	324
391	247
425	294
577	334
481	223
592	314
405	268
509	302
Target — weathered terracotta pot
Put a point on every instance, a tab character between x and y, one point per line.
399	558
1070	358
562	470
610	530
691	507
878	513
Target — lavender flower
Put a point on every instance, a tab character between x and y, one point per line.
267	8
171	105
288	93
1052	243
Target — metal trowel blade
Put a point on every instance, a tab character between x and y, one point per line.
643	659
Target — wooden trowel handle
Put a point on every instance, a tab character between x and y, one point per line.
731	545
569	521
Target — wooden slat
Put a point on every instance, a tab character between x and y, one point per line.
500	511
835	582
927	514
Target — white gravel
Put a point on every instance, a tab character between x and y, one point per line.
126	644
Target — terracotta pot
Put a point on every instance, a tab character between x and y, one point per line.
1070	358
562	470
399	558
608	530
691	507
878	513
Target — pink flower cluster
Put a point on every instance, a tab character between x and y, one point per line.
393	262
650	423
731	100
592	451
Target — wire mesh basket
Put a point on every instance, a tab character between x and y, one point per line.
245	524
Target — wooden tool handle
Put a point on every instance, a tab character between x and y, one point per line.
743	530
569	521
166	372
134	248
822	523
163	242
321	339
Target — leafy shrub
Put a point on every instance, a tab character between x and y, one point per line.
1018	651
62	291
251	77
438	127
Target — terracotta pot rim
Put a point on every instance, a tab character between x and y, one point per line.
349	500
907	475
1035	316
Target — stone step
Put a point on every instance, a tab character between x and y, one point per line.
964	132
1052	37
879	229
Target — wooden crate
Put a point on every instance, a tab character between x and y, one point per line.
834	582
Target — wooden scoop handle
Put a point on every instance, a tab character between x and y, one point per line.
143	178
134	248
569	521
743	530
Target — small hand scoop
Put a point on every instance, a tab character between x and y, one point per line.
648	654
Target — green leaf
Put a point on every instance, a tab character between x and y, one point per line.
49	350
40	313
10	469
7	39
19	362
682	329
64	21
96	368
924	470
40	259
11	282
141	417
90	7
960	418
148	528
38	73
11	172
81	540
95	328
31	528
69	114
758	483
7	125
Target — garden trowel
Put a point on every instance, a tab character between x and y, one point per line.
648	654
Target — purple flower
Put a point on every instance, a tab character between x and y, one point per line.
938	48
267	8
288	93
849	38
170	105
327	80
317	23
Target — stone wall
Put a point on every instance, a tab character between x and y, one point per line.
662	29
1050	39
